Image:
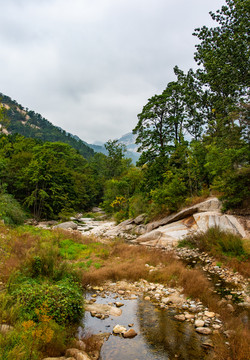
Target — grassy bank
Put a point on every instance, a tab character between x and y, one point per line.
42	275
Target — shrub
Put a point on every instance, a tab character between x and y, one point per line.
63	300
10	210
218	242
235	187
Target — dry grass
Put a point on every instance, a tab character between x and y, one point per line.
239	345
128	262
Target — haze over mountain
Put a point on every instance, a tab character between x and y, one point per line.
30	124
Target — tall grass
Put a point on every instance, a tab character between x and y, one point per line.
224	246
10	210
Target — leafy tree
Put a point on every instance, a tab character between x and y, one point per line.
4	121
115	162
165	118
223	55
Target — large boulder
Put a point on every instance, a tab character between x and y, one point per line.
227	223
171	233
212	204
103	309
66	226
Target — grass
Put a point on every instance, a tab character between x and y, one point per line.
227	248
51	256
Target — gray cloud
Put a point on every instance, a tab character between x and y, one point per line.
89	66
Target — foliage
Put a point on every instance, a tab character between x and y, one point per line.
217	242
223	54
33	125
63	300
115	163
10	210
235	189
48	178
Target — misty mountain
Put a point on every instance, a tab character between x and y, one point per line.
128	140
30	124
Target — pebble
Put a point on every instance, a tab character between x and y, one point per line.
131	333
118	329
180	317
203	330
199	323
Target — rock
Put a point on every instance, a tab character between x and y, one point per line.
216	326
4	328
175	299
203	330
131	333
121	292
227	223
180	317
97	210
199	323
230	308
147	298
189	316
77	354
208	343
103	309
209	314
245	304
79	344
118	329
59	358
118	304
66	225
140	229
212	204
229	333
140	219
165	300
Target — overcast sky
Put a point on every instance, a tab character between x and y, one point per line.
89	66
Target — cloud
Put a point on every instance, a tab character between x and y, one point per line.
89	66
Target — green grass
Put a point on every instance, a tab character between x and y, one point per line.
217	242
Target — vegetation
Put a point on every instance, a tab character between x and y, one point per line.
226	247
20	120
42	272
193	140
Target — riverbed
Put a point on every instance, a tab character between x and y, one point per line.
159	335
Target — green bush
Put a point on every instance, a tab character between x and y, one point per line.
63	299
10	210
217	242
235	188
69	249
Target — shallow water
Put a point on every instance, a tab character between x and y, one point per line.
159	337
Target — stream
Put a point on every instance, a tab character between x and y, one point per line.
160	336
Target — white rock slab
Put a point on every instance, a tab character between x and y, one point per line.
227	223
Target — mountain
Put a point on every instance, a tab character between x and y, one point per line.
128	140
30	124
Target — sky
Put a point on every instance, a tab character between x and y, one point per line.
89	66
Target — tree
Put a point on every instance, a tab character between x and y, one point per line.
162	123
4	121
223	55
116	163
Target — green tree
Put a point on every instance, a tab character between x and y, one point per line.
4	121
115	162
163	121
223	54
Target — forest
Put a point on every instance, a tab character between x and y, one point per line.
193	139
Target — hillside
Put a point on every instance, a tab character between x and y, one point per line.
30	124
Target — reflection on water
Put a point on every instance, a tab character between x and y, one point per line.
159	337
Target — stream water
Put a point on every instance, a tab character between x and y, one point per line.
159	337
